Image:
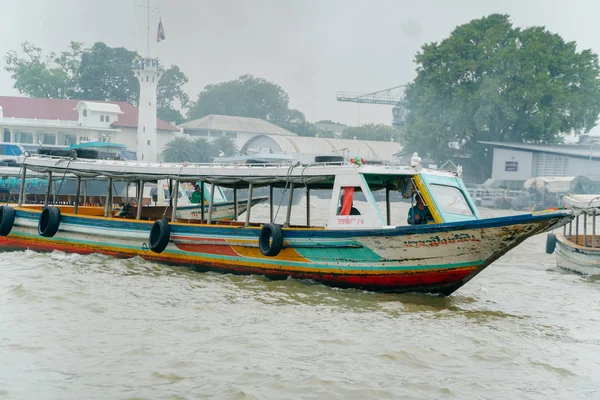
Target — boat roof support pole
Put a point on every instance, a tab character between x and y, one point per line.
107	200
288	214
571	230
48	189
594	228
211	201
22	188
577	229
84	192
249	204
175	191
307	205
140	198
202	202
388	213
77	194
585	229
271	203
235	205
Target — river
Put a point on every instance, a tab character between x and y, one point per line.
95	327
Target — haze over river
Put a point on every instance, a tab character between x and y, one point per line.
95	327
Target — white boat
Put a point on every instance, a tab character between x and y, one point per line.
578	247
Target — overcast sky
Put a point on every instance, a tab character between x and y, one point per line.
312	48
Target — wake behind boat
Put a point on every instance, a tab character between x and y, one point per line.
356	248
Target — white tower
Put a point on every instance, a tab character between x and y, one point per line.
147	71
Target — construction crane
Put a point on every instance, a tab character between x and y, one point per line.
393	96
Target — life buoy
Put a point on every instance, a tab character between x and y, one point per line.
160	235
49	221
270	240
550	243
7	219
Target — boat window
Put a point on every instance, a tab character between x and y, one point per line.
346	206
450	200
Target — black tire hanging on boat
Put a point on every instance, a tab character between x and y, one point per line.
49	221
550	243
270	240
7	219
160	235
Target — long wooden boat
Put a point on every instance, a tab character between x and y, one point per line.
578	247
355	249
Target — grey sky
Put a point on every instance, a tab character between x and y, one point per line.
311	48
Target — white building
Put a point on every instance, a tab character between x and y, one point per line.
519	162
31	121
149	143
241	129
307	148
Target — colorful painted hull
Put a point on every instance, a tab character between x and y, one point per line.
427	258
573	257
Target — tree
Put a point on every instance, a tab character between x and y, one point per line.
106	73
97	73
379	132
225	145
490	81
171	96
179	149
50	76
246	96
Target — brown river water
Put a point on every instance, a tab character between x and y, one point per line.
95	327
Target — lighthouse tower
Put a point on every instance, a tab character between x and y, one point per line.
148	73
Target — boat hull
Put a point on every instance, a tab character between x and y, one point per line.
576	258
430	258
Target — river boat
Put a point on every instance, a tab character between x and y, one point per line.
577	248
358	247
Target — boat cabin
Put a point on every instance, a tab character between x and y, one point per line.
442	193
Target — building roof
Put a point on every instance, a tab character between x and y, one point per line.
109	108
367	149
65	110
227	123
574	150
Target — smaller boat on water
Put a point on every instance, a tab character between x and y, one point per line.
577	248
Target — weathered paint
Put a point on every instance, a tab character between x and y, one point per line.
428	258
577	258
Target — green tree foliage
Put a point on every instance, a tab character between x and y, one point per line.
178	149
249	96
246	96
97	73
171	97
492	81
106	73
47	76
224	146
380	132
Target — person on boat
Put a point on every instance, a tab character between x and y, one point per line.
419	213
197	195
353	210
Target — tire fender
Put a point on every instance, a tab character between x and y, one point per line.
49	221
7	219
550	243
270	240
160	235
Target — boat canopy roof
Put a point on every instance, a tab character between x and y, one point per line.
582	201
234	176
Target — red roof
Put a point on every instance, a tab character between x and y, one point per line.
53	109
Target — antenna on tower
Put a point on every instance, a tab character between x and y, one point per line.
148	8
